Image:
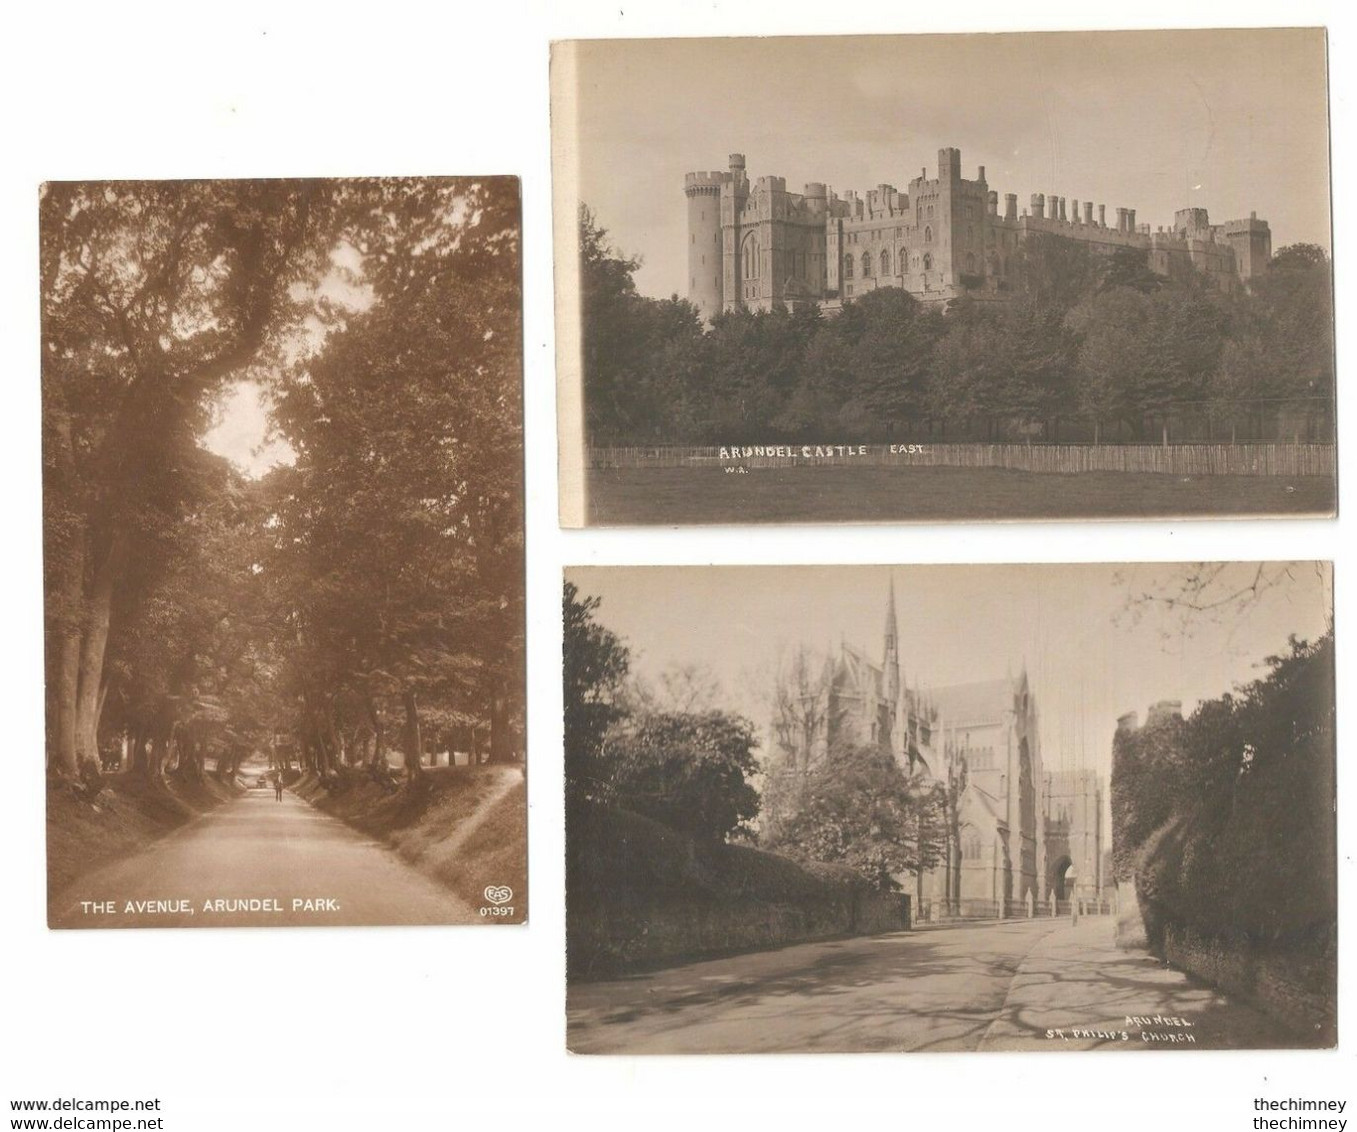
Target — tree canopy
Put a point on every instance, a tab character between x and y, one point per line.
1079	345
192	610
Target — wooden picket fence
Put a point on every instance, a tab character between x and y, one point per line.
1260	458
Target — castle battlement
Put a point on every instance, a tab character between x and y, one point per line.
943	238
705	182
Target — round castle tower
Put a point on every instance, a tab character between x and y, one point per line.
705	269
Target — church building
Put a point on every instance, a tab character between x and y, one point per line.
1020	835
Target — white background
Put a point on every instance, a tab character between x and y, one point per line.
433	1028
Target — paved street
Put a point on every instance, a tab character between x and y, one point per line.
297	864
985	987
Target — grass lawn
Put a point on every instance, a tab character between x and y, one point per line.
649	496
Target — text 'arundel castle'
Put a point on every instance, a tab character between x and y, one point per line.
756	245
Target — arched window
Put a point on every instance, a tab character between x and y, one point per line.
749	252
928	234
970	263
866	265
886	262
928	262
848	267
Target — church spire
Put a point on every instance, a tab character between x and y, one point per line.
891	661
892	626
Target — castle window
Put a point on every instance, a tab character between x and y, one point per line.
866	265
848	267
928	234
928	262
930	211
886	262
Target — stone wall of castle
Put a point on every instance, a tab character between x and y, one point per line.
944	237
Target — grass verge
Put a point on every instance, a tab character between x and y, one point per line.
467	827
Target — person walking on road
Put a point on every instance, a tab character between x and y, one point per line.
277	786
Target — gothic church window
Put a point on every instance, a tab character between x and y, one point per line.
928	262
886	262
928	234
866	265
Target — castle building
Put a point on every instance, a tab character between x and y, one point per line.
1019	833
754	245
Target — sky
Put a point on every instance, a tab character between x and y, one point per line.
241	431
241	425
1089	658
1232	121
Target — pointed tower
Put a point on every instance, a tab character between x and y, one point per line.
890	668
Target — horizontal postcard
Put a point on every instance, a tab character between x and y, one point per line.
908	808
283	552
1092	280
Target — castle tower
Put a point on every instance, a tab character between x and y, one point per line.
705	268
1252	243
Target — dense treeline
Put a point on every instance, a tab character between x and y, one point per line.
1086	347
1225	820
196	616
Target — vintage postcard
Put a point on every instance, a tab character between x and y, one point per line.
907	808
282	430
1021	276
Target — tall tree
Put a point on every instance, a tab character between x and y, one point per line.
858	810
595	665
153	296
401	520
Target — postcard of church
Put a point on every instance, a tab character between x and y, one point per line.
911	808
282	428
932	278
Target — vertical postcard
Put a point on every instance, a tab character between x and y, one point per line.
283	566
909	808
886	278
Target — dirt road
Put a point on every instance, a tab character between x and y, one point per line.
255	862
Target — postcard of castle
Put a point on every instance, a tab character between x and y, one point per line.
921	278
950	807
283	565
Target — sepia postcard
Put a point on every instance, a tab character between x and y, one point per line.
922	278
282	428
951	807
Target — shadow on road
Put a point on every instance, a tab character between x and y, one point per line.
999	986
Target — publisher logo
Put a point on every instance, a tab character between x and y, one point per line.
499	894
